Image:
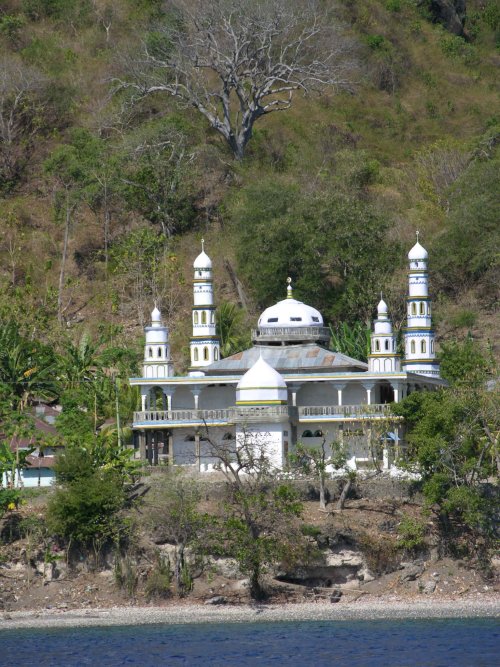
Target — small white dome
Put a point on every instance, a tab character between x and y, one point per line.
290	313
261	385
203	261
156	315
418	252
382	308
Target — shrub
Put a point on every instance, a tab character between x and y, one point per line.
380	553
411	534
159	580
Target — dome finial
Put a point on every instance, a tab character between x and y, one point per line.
203	244
289	290
417	233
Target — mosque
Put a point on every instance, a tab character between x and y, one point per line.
289	387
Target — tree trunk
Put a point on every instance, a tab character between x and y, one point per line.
322	502
63	262
343	495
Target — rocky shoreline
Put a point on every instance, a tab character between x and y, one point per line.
185	613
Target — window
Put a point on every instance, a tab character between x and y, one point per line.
212	317
412	347
203	317
422	308
318	433
228	436
216	353
307	434
159	352
195	354
377	346
195	317
205	354
386	344
423	347
429	309
315	319
295	319
432	346
150	352
272	319
199	273
413	308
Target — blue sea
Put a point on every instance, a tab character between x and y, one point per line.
398	643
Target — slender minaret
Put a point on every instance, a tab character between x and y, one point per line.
204	344
420	353
384	357
157	362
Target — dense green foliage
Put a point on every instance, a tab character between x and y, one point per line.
453	442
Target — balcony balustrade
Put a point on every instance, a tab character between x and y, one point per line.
257	413
372	411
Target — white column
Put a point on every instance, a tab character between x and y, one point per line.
196	391
339	387
143	402
368	387
396	388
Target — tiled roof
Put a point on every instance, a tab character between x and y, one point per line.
288	359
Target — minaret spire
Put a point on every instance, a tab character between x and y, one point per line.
383	357
157	361
420	353
289	289
204	344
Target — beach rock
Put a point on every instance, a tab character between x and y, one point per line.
217	599
428	587
413	572
344	557
366	576
335	596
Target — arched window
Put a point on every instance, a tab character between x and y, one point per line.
429	309
203	317
422	308
307	434
413	308
318	433
412	347
216	353
195	317
432	346
195	354
205	354
386	344
377	346
150	352
212	317
423	347
228	436
159	352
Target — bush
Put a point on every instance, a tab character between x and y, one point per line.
411	534
159	580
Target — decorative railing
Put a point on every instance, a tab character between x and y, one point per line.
183	415
259	413
291	333
361	411
251	413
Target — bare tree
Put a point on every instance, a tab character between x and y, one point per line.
20	104
237	60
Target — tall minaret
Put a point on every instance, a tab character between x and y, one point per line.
420	353
204	345
384	357
157	362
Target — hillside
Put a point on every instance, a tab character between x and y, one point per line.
329	191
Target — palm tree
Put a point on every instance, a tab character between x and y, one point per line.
230	329
27	368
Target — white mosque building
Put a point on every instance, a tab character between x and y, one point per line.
289	387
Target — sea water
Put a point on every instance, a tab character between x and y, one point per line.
397	643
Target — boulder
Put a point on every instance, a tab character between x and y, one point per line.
412	572
216	599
